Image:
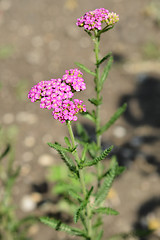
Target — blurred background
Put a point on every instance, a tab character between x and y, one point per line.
39	41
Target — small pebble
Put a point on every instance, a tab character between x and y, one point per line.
8	118
33	230
29	141
119	132
36	197
45	160
27	204
25	170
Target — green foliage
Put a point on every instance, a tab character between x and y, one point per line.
106	210
103	155
90	116
10	227
95	101
82	133
112	120
105	72
82	205
106	185
59	226
84	68
67	160
100	235
58	147
104	58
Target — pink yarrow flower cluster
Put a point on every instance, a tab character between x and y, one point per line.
57	94
93	20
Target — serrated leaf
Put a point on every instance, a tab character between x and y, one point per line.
104	58
115	116
57	146
105	72
59	226
95	101
106	210
106	185
68	161
74	195
99	158
82	206
85	68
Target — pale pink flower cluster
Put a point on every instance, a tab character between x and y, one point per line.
57	94
93	20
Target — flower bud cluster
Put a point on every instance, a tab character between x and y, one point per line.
57	94
93	20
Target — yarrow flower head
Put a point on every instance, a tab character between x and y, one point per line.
74	78
93	20
57	94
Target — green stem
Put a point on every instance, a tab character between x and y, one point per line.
97	88
81	177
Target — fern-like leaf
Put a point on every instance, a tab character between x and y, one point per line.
85	68
99	158
82	206
90	116
106	185
95	101
106	210
106	71
59	226
104	58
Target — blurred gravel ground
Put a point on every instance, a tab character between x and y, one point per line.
39	40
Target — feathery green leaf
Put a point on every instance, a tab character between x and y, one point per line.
99	158
106	210
85	68
82	206
90	116
66	139
115	116
106	185
59	226
95	101
106	71
104	58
